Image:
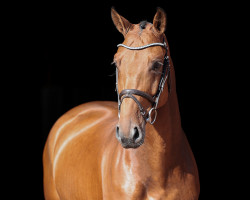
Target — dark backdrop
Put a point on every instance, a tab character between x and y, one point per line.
67	61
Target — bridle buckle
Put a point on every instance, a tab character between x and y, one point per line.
149	119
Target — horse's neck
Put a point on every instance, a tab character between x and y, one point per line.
163	140
168	123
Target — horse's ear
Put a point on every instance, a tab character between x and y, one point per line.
160	21
120	22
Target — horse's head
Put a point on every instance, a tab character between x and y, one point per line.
141	73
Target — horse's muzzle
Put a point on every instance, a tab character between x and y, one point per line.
134	140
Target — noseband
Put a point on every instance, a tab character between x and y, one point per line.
129	93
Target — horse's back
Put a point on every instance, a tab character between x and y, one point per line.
74	149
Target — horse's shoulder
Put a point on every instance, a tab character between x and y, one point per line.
79	120
182	183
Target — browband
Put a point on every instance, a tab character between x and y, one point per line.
143	47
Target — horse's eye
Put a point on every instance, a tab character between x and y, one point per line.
156	66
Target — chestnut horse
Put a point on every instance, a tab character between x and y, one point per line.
92	154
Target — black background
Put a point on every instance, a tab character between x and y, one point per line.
65	53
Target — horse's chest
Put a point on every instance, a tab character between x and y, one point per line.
126	177
130	188
121	182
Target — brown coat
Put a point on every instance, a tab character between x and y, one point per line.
84	160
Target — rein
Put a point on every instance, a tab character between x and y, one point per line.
129	93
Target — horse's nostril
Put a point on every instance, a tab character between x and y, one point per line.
136	134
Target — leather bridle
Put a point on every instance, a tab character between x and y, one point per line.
129	93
